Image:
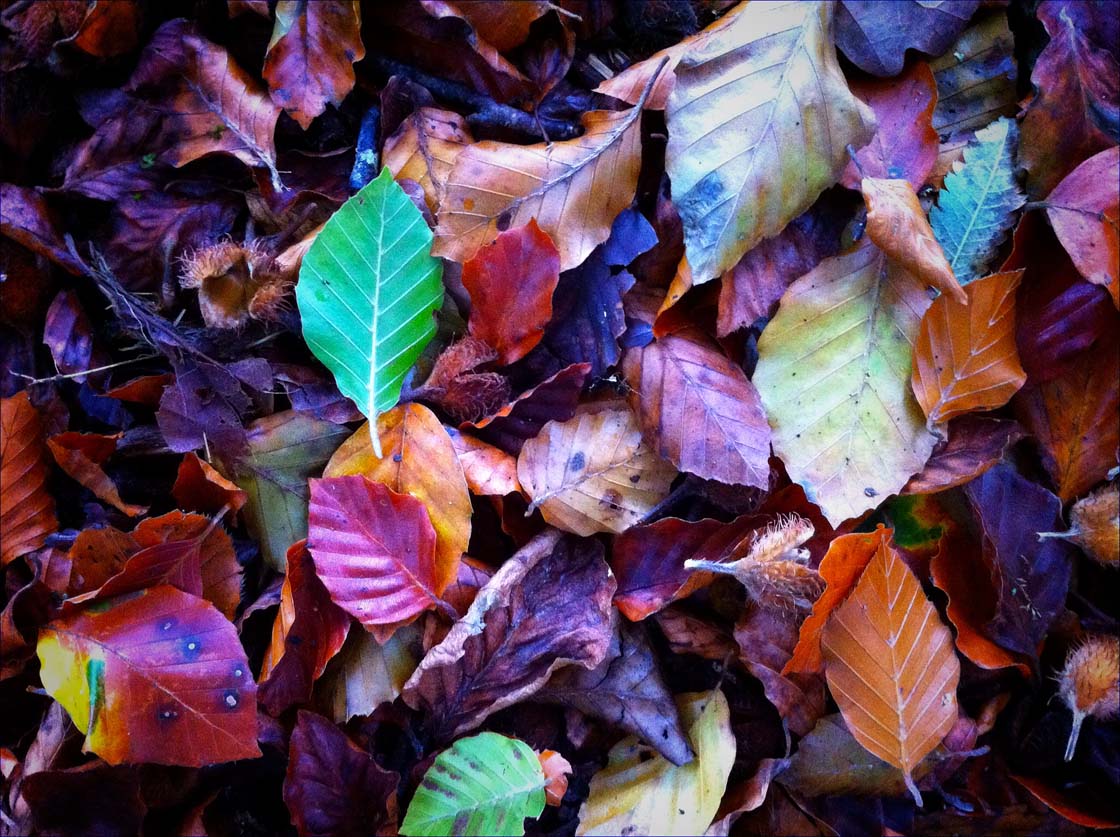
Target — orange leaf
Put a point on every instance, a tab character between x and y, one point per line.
840	568
80	455
489	470
511	282
424	149
896	222
965	357
199	487
890	665
26	508
556	769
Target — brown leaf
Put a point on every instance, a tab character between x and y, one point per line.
511	283
840	568
198	487
556	769
875	36
489	470
553	399
699	409
424	149
896	222
965	357
80	455
209	103
26	507
975	444
890	665
593	473
626	690
311	56
547	607
573	188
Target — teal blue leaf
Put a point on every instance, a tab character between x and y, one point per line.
367	289
978	204
485	784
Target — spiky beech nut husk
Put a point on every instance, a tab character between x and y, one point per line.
1094	525
1090	683
229	277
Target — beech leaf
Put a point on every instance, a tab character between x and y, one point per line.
834	376
965	358
759	121
891	666
26	507
158	676
593	473
368	287
486	784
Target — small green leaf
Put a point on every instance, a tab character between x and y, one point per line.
977	206
485	784
367	289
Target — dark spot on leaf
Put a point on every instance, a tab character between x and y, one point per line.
504	220
576	463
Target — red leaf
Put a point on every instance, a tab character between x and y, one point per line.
511	283
373	548
80	455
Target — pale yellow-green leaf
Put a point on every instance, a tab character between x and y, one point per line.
833	373
759	120
366	674
641	792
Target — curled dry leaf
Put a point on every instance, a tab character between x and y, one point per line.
556	770
890	665
593	473
81	455
975	444
897	224
198	487
965	357
759	121
26	507
158	677
548	606
417	458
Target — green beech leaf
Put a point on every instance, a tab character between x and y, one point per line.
485	784
367	289
977	206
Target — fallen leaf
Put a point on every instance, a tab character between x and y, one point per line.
375	550
699	407
841	568
310	57
81	455
366	673
333	787
755	82
27	513
424	149
209	103
853	430
1031	576
199	487
511	282
625	690
547	607
976	77
965	358
556	770
898	226
573	188
905	142
593	473
366	297
418	459
975	444
553	399
308	632
284	450
876	36
977	205
639	792
158	676
890	666
1084	210
1076	111
488	470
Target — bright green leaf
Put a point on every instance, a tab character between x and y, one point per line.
977	206
367	289
485	784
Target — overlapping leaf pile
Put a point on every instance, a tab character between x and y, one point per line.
574	417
